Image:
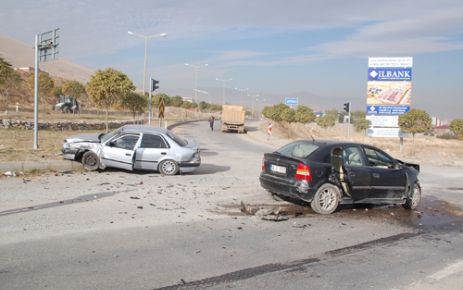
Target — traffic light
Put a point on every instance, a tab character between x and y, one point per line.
154	85
347	107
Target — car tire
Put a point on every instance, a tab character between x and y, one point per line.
90	161
168	167
326	199
414	198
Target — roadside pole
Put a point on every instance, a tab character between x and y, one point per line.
149	102
46	48
36	94
348	124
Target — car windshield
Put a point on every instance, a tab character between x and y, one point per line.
180	141
298	149
105	137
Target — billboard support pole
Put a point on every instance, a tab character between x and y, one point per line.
36	93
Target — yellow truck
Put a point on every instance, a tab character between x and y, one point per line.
233	118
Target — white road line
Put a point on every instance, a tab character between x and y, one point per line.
447	271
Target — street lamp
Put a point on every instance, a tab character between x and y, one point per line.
223	87
146	38
204	92
196	68
241	94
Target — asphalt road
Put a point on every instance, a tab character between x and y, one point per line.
124	230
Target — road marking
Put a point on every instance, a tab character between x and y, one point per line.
447	271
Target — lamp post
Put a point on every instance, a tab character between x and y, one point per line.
146	38
255	99
241	94
204	92
196	68
223	87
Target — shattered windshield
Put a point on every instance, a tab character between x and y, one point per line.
105	137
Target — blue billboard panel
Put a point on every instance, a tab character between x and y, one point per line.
390	74
291	101
387	110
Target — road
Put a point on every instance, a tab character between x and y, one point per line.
123	230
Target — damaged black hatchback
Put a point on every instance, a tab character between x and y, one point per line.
329	173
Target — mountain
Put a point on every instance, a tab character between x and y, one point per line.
20	54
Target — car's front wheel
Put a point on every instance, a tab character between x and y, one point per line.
326	199
168	167
90	161
414	198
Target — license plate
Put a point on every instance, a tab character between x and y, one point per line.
278	169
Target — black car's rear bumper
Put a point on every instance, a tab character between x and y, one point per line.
292	189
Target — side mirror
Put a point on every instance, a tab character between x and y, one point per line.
111	144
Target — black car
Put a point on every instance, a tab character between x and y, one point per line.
327	173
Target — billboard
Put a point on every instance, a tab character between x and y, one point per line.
291	101
388	93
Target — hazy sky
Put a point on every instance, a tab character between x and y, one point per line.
315	50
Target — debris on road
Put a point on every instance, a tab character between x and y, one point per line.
10	174
268	214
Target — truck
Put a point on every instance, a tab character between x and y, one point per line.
233	118
67	104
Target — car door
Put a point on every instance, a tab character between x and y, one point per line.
388	180
357	174
153	148
119	152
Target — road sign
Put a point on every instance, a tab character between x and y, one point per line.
161	108
291	101
269	129
387	110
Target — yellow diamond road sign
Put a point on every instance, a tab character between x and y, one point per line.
161	109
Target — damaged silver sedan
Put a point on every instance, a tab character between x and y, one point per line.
134	147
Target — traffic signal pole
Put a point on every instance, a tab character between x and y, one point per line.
348	109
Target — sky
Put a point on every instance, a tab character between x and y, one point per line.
314	50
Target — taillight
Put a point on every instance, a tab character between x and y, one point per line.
263	165
303	172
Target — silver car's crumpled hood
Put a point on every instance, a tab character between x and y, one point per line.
91	138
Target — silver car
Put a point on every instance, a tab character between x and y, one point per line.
134	147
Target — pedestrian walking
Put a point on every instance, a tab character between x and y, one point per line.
211	122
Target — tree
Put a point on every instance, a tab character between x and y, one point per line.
415	121
203	105
287	115
176	101
9	78
333	114
326	121
74	89
361	124
357	115
46	86
134	102
359	120
456	126
108	87
304	115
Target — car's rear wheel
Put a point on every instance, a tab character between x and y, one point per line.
90	161
414	198
168	167
326	199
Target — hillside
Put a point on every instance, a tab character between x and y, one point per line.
20	54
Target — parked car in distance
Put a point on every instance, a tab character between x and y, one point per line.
329	173
134	147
